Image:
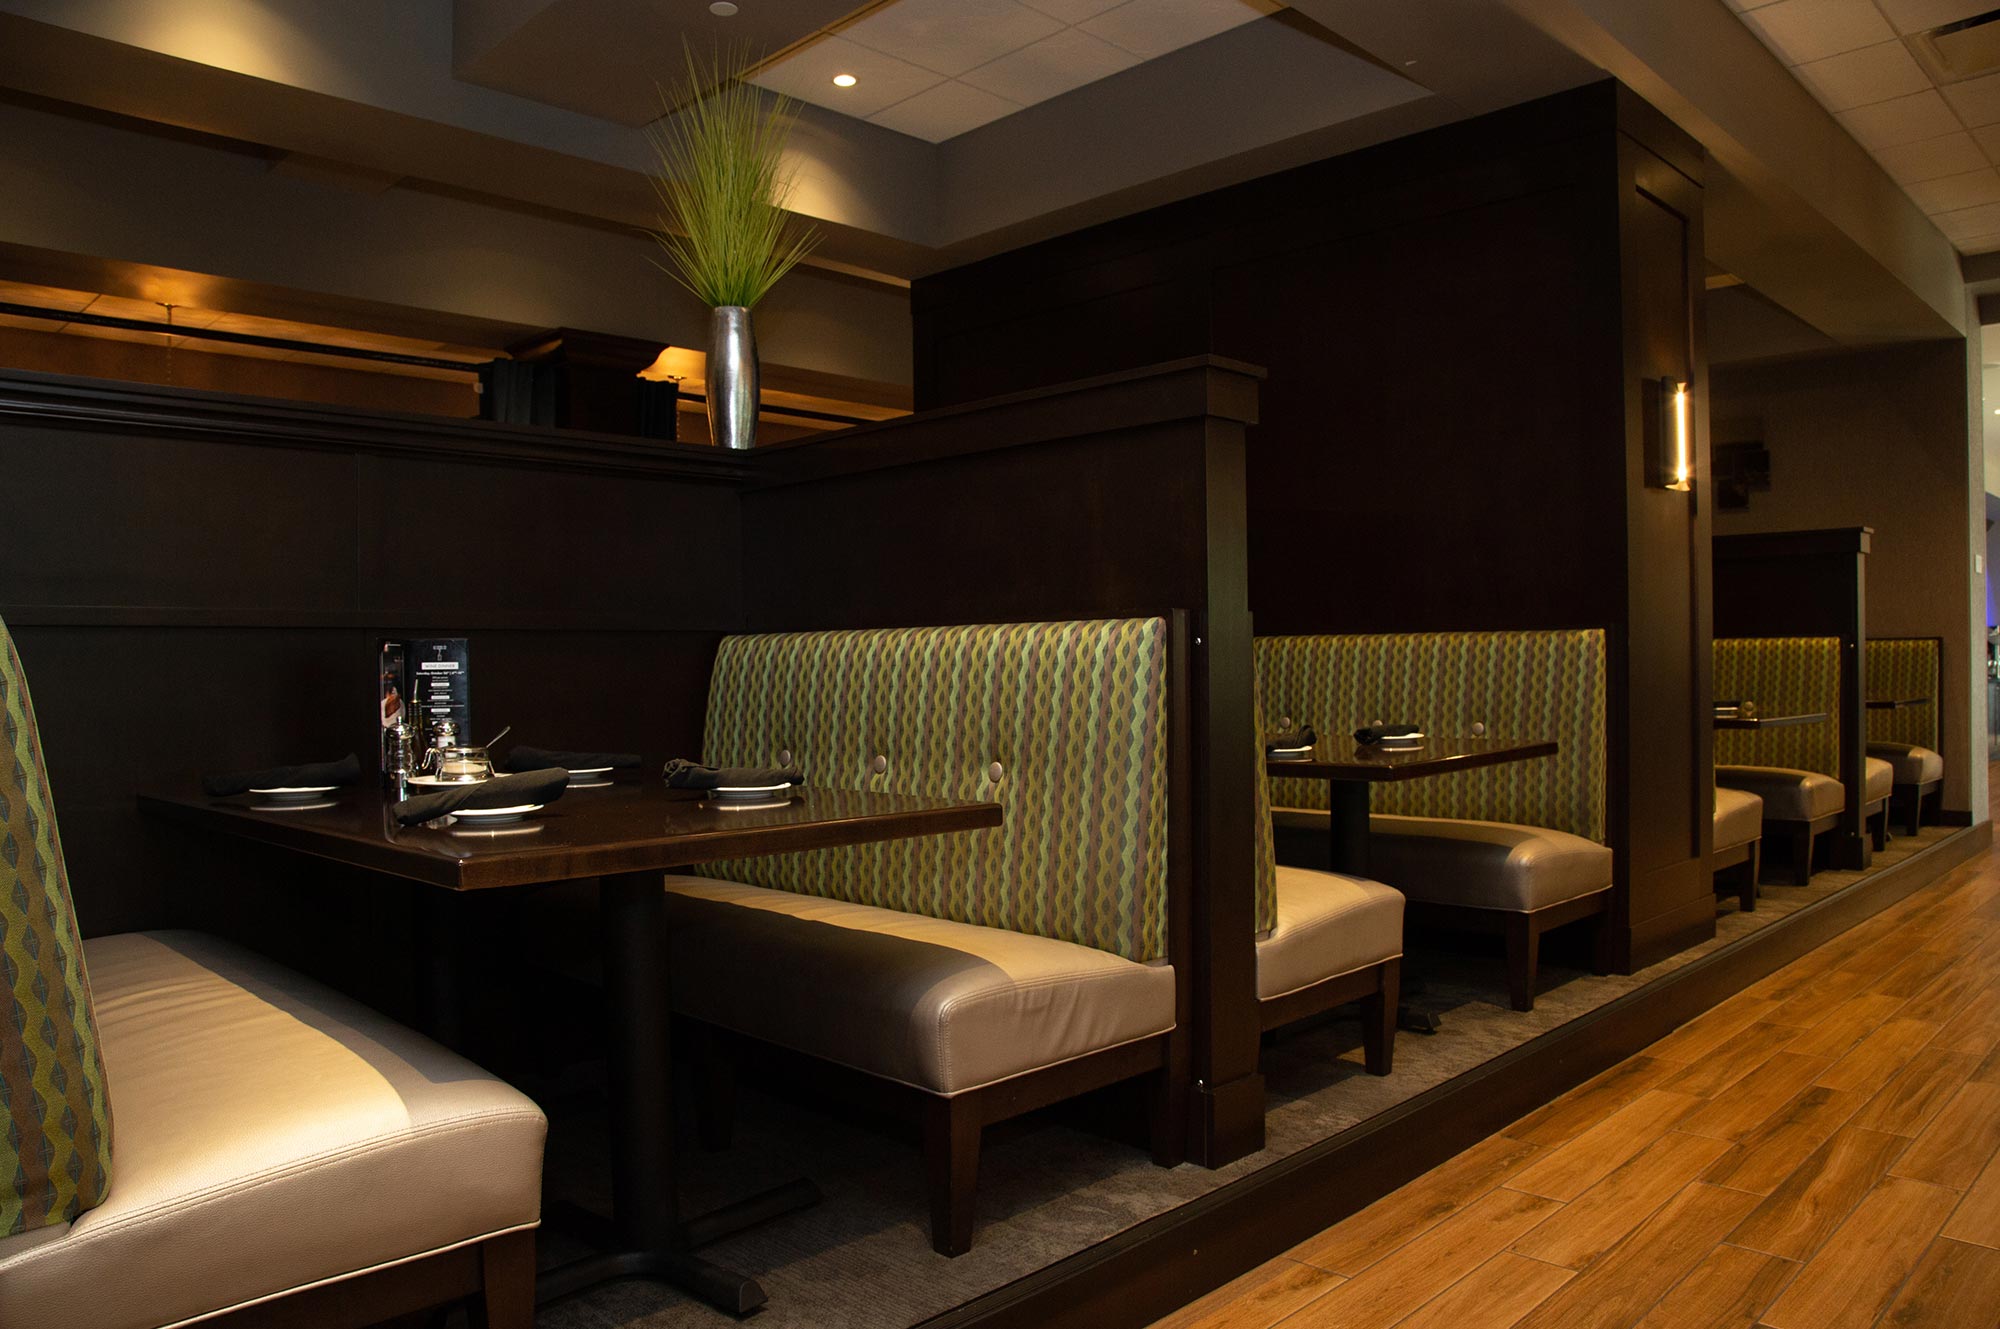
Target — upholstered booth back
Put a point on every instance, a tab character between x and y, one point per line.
1265	864
1062	724
1905	667
1782	676
55	1150
1544	684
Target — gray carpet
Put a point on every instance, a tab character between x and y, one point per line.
862	1259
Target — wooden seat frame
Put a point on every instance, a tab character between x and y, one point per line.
1738	868
1377	987
1523	929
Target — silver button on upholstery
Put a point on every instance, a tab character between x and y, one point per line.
784	756
995	771
879	765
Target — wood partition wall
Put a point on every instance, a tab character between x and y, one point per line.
197	583
1810	584
1465	332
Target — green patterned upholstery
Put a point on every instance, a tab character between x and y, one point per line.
1905	667
1781	676
1266	846
1545	684
55	1153
1074	713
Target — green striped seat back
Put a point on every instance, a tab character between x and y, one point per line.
1075	716
1905	667
1781	676
55	1153
1265	863
1528	685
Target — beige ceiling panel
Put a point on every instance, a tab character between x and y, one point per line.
1970	221
1055	65
1801	31
1903	120
950	36
44	297
944	112
115	306
1072	11
1861	78
1953	192
881	80
1931	158
1149	28
1988	139
1977	101
1923	15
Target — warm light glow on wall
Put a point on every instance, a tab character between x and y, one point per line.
1667	416
1681	437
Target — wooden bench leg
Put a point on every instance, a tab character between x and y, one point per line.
1878	828
1378	1020
951	1154
1802	852
1523	948
507	1283
1166	1111
1746	885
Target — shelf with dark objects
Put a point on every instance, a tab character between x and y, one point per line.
625	837
1768	721
1896	703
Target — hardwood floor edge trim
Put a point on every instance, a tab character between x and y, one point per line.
1153	1268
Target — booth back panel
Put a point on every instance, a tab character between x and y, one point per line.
1782	676
1905	667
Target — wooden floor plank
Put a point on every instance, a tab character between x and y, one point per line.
1568	1171
1851	1279
1977	1218
1602	1216
1396	1285
1954	1148
1621	1288
1711	1031
1351	1245
1947	993
1873	1061
1581	1108
1764	1158
1918	1092
1976	1027
1797	1217
1257	1300
1849	1023
1955	1286
1496	1295
1757	1097
1728	1290
1818	1002
1747	1050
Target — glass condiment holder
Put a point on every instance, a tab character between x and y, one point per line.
458	764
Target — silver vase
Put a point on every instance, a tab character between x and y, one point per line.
732	378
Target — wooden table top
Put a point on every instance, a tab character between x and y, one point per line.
1896	703
628	826
1342	759
1768	721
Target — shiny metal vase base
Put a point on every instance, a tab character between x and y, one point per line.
732	378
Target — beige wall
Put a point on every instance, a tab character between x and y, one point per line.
1877	438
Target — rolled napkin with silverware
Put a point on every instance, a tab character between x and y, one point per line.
521	757
1369	735
305	775
681	774
1290	740
502	791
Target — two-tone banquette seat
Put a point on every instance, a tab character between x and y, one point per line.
1907	669
280	1155
1517	848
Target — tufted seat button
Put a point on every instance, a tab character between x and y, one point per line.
995	771
879	765
784	756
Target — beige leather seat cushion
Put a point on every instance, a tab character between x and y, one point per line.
1881	776
1483	864
1327	925
1739	817
940	1005
1910	763
1788	795
269	1134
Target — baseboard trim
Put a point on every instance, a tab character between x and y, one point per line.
1954	817
1155	1267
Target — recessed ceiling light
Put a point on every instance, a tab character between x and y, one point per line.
722	9
844	80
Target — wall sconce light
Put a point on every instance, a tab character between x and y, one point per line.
1669	428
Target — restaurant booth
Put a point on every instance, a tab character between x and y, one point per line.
1184	519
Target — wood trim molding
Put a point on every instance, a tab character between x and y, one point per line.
1779	544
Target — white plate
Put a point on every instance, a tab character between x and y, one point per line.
437	782
297	793
746	804
496	816
281	805
1290	752
1400	740
579	771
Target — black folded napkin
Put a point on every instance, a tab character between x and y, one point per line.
1381	733
502	791
521	757
345	771
693	775
1301	737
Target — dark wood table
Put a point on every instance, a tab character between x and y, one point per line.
1351	772
1896	703
625	835
1768	721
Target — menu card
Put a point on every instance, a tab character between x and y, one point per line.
430	679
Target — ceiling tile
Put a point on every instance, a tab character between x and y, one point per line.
1148	28
1982	244
1740	5
1801	31
1858	78
1970	221
1930	158
950	36
44	297
1951	192
1051	67
883	80
1923	15
1903	120
1977	101
1071	11
943	112
1988	139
